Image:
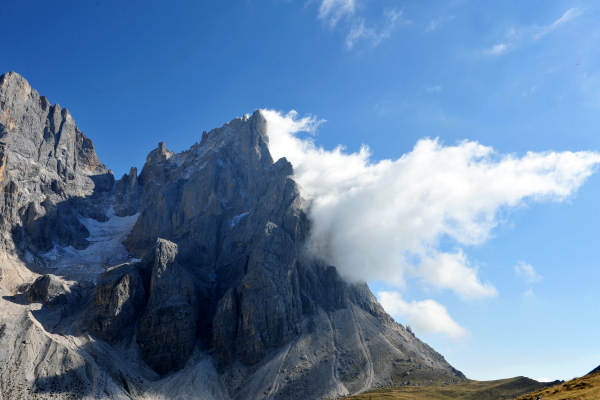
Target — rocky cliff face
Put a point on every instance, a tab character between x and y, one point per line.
213	295
47	168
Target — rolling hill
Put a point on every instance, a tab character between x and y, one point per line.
585	388
470	390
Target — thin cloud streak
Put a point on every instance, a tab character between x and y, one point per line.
517	36
568	16
436	23
497	49
434	89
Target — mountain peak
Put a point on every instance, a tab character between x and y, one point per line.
13	78
196	266
160	154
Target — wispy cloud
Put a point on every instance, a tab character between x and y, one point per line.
426	316
334	10
530	91
568	16
361	31
526	272
497	49
436	23
434	89
515	37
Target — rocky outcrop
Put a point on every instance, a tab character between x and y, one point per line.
168	327
127	194
119	299
48	289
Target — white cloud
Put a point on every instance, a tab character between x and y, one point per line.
497	49
526	272
425	316
384	220
360	30
568	16
334	10
452	271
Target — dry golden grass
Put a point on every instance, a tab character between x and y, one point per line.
584	388
503	389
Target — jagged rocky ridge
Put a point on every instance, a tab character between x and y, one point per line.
187	281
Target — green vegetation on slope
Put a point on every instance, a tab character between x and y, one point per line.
502	389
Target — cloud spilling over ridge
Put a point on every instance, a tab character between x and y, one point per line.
383	220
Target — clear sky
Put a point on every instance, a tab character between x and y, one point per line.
517	76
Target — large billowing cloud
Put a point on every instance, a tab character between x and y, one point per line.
384	220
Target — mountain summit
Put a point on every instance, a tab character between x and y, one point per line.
189	280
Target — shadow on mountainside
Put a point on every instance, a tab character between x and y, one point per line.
69	367
73	366
49	224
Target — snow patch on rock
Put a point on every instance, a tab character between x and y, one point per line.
105	249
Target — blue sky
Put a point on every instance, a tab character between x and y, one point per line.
516	76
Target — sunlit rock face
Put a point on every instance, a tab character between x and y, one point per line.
190	279
48	168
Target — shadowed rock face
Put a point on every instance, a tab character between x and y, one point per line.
222	274
168	327
120	298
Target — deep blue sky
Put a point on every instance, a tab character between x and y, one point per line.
511	74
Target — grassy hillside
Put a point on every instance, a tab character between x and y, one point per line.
502	389
584	388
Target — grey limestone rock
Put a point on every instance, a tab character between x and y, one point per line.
48	289
48	167
224	280
167	329
238	219
119	299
